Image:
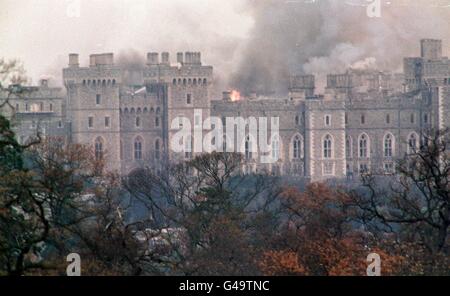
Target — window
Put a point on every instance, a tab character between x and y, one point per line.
248	148
389	168
276	148
98	99
424	142
51	107
91	122
327	147
157	150
157	121
188	99
388	145
363	168
412	143
138	149
60	124
17	107
346	118
425	118
297	169
296	147
412	118
107	121
41	107
388	119
138	121
188	148
348	147
121	150
363	119
26	107
363	146
99	148
328	169
327	120
224	144
297	120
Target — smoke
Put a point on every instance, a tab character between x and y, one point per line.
42	33
322	37
254	45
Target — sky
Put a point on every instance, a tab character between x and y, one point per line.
41	33
254	45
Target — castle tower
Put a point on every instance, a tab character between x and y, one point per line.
301	87
189	84
93	105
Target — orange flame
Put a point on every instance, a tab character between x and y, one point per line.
235	96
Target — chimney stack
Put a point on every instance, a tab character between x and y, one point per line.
180	58
227	95
152	58
73	60
197	58
165	58
104	59
188	57
43	82
431	49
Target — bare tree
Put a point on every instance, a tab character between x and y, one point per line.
417	199
208	210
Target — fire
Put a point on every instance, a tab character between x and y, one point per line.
235	96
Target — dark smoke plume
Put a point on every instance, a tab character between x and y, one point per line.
328	36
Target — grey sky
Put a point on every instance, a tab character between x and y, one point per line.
254	45
42	32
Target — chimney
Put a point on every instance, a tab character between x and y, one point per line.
180	58
43	82
188	57
431	49
104	59
165	58
152	58
226	96
196	59
92	60
73	60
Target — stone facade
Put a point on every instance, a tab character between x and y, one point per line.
364	120
32	109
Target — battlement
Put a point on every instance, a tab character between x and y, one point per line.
340	81
103	59
302	82
188	58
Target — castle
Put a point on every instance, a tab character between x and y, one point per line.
364	120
